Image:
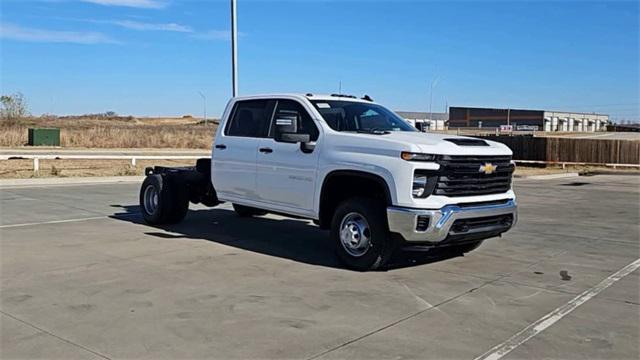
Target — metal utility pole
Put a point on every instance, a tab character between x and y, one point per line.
234	49
204	104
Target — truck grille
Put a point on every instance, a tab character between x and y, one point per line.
462	175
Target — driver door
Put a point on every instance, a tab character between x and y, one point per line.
286	173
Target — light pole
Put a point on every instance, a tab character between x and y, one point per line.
234	49
204	104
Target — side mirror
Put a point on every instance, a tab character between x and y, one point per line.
286	129
286	121
292	137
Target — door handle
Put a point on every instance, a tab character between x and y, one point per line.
221	147
266	150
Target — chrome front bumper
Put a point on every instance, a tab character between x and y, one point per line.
404	221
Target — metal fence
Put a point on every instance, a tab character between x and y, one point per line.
131	158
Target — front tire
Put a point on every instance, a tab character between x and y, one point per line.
162	201
359	228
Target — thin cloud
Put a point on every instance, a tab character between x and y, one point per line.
134	25
16	32
142	26
144	4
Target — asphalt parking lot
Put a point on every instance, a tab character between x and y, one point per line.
82	277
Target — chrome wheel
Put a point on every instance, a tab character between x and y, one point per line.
150	199
355	235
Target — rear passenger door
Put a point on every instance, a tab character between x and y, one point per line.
236	148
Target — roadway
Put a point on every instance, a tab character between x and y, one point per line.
82	277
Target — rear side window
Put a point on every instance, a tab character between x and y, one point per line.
294	110
251	118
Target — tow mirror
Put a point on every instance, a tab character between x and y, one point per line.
287	121
286	129
292	138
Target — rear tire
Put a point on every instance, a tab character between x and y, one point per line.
359	228
179	201
247	211
163	201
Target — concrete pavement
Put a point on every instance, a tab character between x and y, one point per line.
82	277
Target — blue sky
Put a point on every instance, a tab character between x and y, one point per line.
151	57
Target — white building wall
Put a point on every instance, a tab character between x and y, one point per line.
562	121
431	125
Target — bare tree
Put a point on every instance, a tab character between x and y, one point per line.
14	106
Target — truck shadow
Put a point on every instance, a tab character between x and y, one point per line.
293	239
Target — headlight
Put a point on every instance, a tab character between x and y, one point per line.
409	156
419	186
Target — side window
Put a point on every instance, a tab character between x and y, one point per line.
294	110
250	118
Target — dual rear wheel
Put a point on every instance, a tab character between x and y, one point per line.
163	200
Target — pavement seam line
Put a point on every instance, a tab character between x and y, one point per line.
65	221
57	203
504	348
498	279
56	336
380	329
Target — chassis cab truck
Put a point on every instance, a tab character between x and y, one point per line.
353	167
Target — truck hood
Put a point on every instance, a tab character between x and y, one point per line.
441	144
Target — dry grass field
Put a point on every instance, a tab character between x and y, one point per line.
115	132
131	133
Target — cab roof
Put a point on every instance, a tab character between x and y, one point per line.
309	96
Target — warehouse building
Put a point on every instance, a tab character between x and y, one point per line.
425	121
468	117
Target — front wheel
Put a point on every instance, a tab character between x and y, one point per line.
359	228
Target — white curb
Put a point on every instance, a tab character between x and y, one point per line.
68	181
550	176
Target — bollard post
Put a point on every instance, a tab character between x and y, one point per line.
36	166
133	162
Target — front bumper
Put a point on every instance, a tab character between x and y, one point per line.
452	220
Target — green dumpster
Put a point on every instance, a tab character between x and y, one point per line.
44	137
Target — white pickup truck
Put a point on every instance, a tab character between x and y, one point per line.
353	167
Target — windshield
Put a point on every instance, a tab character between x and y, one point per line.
360	117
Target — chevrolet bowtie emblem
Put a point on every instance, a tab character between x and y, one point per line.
488	168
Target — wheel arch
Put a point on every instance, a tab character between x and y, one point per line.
356	183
